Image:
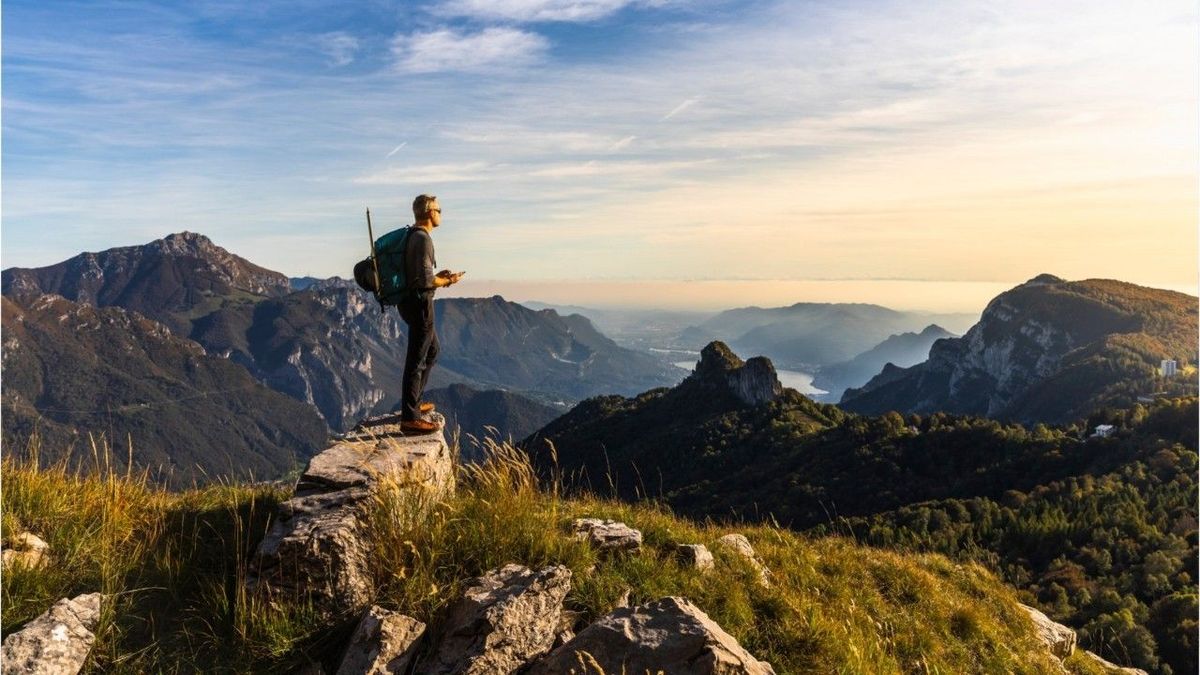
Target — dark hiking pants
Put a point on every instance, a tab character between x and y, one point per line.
422	353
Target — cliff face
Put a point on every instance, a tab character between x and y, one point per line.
1033	335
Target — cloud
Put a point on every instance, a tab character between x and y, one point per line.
448	50
430	173
532	10
340	47
680	108
396	149
624	142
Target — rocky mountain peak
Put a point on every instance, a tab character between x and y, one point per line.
1043	280
186	243
717	358
753	382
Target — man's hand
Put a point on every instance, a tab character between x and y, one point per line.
449	277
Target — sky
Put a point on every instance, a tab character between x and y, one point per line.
704	154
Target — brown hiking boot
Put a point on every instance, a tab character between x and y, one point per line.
418	427
426	408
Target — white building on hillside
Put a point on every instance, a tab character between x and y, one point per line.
1168	368
1103	431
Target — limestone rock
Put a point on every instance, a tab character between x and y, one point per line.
363	458
384	643
317	548
1110	667
670	635
739	544
28	550
696	556
608	535
505	618
57	642
1058	638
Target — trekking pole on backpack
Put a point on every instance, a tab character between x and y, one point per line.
374	261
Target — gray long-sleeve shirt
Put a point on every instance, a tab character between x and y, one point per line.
419	262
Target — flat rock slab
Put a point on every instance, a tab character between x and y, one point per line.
365	459
1058	638
607	535
384	643
670	636
57	642
505	619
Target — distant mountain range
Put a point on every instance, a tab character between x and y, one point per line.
1048	350
266	364
808	336
327	345
905	349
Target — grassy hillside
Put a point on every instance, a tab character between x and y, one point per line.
173	564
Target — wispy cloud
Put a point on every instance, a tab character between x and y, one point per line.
449	50
396	149
623	143
427	174
680	108
532	10
339	46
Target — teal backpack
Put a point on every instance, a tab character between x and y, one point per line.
389	254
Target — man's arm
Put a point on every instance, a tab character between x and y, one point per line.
419	262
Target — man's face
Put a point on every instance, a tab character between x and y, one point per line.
435	213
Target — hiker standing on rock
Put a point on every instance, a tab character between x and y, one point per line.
416	308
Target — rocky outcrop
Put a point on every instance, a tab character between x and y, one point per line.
505	618
318	548
607	535
670	635
1059	639
384	643
57	642
695	556
752	382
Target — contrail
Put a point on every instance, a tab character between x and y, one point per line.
396	149
680	108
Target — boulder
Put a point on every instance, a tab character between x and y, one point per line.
740	545
28	550
384	643
1058	638
696	556
505	618
1110	667
607	535
670	635
57	642
317	549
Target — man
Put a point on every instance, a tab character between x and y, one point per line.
417	311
